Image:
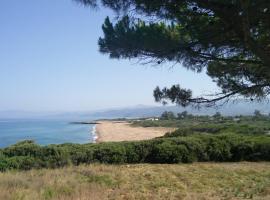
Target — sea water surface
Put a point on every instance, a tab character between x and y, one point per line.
44	132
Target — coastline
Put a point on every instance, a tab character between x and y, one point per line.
116	131
92	122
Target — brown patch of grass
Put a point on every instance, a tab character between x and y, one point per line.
183	181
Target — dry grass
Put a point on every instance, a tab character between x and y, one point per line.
184	181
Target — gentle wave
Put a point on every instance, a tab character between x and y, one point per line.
94	134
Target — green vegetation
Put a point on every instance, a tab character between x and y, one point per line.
186	149
257	124
141	181
199	139
167	116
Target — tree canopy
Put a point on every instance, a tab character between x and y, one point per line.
228	38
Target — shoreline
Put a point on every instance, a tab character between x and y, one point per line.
93	122
116	131
94	134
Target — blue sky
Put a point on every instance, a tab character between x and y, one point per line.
49	61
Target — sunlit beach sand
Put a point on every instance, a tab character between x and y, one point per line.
112	131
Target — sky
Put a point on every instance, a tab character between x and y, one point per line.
49	61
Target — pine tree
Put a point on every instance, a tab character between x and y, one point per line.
228	38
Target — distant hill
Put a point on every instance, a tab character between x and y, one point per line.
239	108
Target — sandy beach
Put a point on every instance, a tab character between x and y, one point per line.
112	131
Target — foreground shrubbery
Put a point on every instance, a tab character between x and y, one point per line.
220	148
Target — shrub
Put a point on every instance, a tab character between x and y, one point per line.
110	153
167	152
196	147
54	156
219	150
242	151
24	148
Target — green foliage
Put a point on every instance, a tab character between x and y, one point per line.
247	125
180	132
218	129
183	115
198	138
196	147
110	153
167	115
168	152
217	115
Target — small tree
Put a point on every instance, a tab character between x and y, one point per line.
257	113
217	115
167	115
182	115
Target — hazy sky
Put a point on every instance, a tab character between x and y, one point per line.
49	61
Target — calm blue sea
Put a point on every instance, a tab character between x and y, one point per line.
44	132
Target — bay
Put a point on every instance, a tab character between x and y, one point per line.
44	132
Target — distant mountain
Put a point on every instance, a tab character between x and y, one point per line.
239	108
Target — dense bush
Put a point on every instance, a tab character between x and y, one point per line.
169	152
196	147
243	129
247	125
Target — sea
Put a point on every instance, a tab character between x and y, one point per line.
45	132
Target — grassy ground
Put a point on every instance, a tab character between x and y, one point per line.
184	181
